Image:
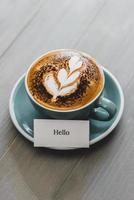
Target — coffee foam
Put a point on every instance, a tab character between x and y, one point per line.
64	80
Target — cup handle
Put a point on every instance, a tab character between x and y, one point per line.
105	109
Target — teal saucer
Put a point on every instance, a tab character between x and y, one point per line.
22	112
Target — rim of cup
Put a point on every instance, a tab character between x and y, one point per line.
69	110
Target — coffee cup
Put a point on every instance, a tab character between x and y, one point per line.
68	84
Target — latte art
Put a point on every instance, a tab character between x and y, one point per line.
64	80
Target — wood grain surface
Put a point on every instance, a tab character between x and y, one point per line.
104	29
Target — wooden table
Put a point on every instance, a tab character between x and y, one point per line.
105	29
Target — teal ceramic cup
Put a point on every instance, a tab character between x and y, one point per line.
100	108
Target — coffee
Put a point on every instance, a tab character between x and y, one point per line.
65	80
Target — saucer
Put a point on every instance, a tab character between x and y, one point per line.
22	111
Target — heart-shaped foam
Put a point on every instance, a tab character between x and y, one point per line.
65	79
74	63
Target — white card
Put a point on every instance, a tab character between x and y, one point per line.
61	133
